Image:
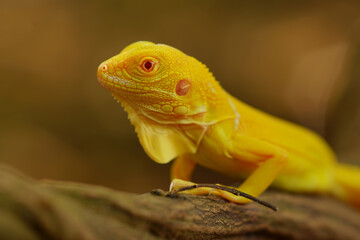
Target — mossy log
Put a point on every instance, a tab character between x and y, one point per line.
34	210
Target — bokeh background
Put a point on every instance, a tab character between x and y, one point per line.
299	60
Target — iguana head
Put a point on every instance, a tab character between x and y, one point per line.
171	98
159	80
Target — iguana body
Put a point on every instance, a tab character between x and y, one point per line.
180	111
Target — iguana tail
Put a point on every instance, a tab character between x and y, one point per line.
348	184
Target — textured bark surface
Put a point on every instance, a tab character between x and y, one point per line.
34	210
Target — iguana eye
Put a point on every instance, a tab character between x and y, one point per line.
148	65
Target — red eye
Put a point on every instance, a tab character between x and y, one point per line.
147	65
104	67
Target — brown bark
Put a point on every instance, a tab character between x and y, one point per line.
34	210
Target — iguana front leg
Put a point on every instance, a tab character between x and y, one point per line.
270	160
182	168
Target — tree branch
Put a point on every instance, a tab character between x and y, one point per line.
34	210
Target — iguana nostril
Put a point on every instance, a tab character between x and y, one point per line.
103	67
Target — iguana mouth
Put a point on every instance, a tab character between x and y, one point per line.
114	84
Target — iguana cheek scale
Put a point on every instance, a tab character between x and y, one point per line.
181	112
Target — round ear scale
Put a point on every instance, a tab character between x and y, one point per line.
183	87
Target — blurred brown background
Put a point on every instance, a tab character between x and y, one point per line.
299	61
